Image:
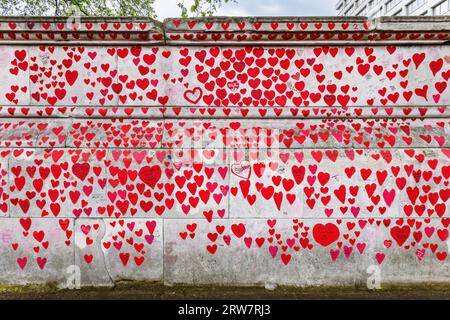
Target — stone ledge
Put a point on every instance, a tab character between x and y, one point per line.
225	30
232	112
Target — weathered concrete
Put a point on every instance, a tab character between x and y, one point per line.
238	151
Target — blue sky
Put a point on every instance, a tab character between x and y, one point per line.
168	8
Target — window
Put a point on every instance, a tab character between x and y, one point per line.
347	12
378	13
413	6
391	4
362	12
441	8
373	3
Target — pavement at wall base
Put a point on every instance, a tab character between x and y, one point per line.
156	291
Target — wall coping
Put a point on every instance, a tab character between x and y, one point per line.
225	30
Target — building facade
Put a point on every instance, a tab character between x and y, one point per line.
378	8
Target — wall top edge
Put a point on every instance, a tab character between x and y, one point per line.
228	29
224	18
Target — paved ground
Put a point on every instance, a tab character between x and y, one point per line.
158	291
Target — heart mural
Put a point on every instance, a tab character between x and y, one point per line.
225	147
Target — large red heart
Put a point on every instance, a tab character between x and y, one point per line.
400	234
81	170
325	234
150	175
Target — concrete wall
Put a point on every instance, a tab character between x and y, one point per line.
298	151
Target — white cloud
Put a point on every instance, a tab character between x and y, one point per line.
168	8
282	7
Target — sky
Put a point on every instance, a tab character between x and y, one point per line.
168	8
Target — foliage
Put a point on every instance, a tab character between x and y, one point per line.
103	7
201	7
